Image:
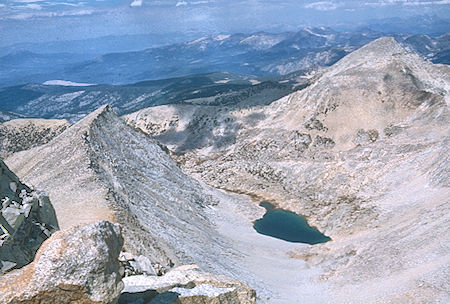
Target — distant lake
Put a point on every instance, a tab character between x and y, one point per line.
288	226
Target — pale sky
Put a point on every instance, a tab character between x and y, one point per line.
52	20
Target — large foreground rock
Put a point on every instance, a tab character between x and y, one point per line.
77	265
26	219
186	285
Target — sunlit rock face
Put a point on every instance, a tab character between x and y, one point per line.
186	284
78	264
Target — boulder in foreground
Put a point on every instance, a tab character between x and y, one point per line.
77	265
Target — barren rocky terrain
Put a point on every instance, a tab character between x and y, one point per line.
362	153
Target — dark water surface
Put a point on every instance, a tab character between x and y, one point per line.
288	226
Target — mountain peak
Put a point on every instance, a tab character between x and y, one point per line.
106	108
378	85
383	46
103	111
374	54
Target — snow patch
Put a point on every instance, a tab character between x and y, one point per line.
68	97
67	83
221	37
222	81
197	40
261	42
136	3
309	30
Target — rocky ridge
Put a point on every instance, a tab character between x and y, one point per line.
100	168
113	172
361	153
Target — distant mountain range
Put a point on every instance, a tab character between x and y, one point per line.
100	45
72	101
258	54
21	67
419	24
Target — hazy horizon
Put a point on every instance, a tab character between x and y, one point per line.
32	21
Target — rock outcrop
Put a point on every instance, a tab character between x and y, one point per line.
137	265
27	218
76	265
23	134
186	285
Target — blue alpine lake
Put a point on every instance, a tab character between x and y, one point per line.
288	226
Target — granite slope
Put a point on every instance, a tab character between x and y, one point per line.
362	153
100	168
